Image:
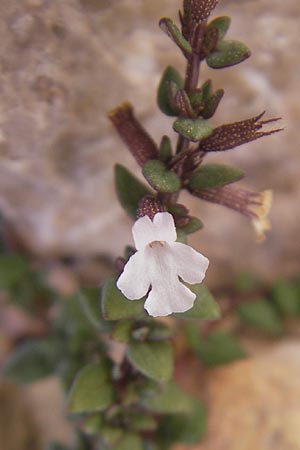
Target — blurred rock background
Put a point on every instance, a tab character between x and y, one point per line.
64	64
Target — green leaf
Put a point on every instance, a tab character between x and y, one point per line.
159	331
111	436
115	306
188	428
205	307
163	100
13	269
89	299
93	424
194	225
181	236
92	390
129	441
72	323
262	315
169	27
57	446
212	104
122	331
129	189
34	360
246	282
160	177
216	349
153	359
222	23
68	368
206	90
165	149
192	129
142	422
214	175
286	297
228	54
170	400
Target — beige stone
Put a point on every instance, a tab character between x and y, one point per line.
253	404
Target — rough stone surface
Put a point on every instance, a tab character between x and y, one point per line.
64	64
254	403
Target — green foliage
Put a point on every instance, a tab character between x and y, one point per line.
129	441
160	177
194	225
153	359
34	360
170	75
215	349
92	390
214	175
246	282
170	399
122	331
169	27
187	428
261	315
142	422
205	307
228	53
165	149
89	299
57	446
286	297
13	269
115	306
129	189
192	129
212	104
222	23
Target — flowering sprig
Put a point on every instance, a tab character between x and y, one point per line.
123	396
167	171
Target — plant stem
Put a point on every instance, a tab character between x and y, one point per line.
192	77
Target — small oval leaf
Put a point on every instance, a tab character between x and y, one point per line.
129	189
214	175
163	99
89	299
169	27
115	306
92	390
228	53
205	307
262	315
153	359
222	23
192	129
170	400
194	225
160	177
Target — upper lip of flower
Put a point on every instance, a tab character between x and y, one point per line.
159	262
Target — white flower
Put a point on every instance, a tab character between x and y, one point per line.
158	263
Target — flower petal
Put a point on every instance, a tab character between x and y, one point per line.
164	227
143	232
167	297
134	281
191	265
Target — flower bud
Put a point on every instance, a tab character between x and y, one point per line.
149	206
